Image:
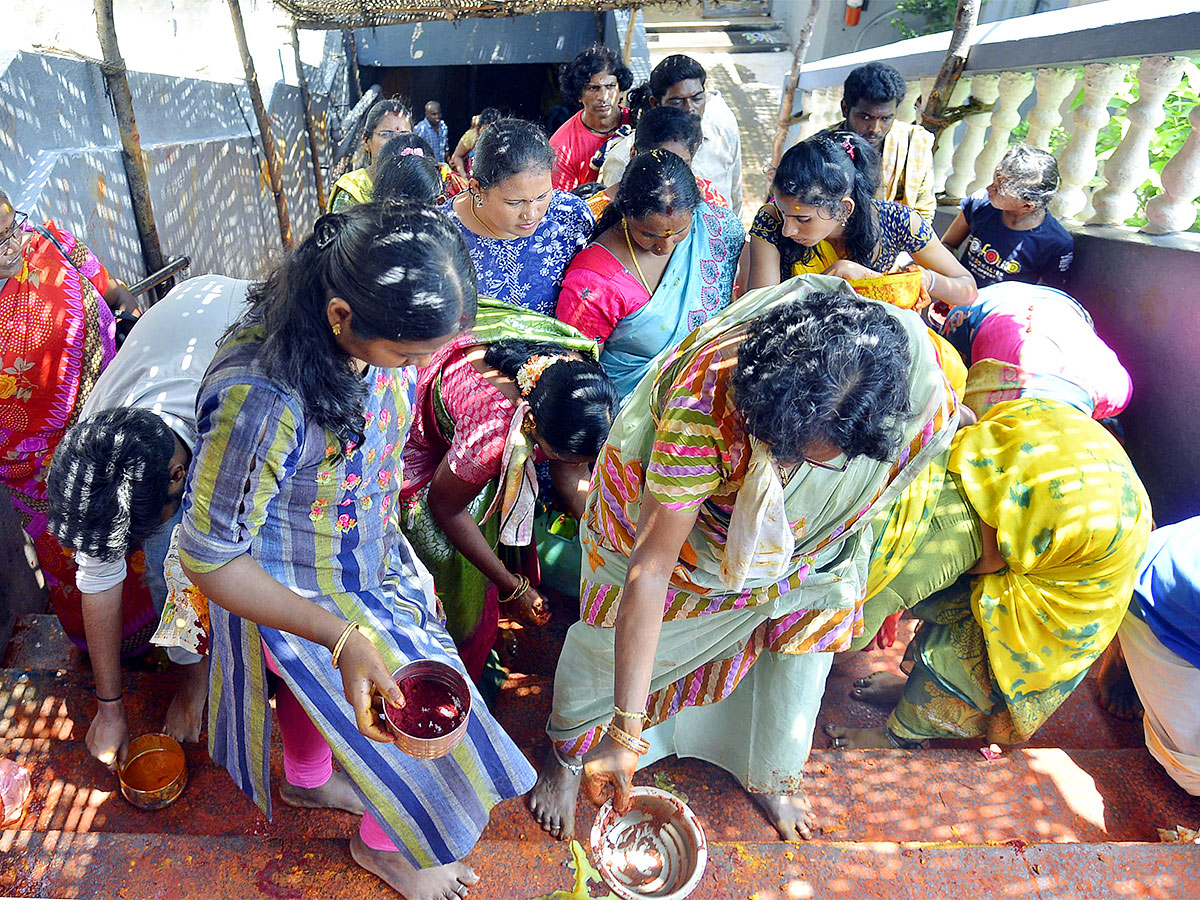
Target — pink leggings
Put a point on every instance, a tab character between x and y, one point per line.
307	757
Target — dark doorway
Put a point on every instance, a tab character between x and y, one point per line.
529	91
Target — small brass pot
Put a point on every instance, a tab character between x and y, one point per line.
155	772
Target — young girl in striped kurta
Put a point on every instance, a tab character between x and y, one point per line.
290	529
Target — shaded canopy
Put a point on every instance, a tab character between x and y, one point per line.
370	13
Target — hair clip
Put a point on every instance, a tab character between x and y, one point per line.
327	229
412	151
531	372
849	147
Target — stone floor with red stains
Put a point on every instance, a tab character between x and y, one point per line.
1071	815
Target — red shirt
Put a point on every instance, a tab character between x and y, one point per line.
574	146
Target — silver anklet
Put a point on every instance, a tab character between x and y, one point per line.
573	768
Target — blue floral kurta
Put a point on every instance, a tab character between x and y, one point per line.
529	271
322	520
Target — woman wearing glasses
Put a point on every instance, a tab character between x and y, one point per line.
57	334
725	544
384	121
824	218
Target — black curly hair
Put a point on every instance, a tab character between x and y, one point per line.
109	482
592	61
876	82
825	368
1032	174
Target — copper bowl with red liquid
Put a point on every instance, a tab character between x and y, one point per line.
155	772
437	708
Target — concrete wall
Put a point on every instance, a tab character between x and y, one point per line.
60	159
542	38
1143	293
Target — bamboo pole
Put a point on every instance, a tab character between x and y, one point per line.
270	151
309	125
786	118
630	27
117	84
933	112
354	82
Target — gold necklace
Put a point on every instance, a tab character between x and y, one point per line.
482	223
633	256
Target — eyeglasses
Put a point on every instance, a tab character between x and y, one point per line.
16	231
388	134
828	467
788	470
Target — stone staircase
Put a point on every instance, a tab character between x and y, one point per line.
668	33
1072	815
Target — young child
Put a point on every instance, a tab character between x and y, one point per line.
1009	233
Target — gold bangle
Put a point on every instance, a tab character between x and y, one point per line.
630	715
341	642
623	738
522	586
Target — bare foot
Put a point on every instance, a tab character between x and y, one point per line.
858	738
337	793
880	688
185	715
791	814
1114	686
552	800
448	882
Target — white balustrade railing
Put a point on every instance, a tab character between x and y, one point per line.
1060	93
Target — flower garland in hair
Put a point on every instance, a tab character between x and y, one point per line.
531	372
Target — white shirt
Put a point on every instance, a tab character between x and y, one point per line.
718	160
159	367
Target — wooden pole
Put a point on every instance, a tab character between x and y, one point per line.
786	119
630	28
354	83
270	150
113	68
309	125
961	40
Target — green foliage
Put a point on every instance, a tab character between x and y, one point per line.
1168	137
934	16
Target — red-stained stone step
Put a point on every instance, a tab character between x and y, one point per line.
38	642
181	868
1035	795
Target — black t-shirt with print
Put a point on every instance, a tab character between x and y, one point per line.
995	253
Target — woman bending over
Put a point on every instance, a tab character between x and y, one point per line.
520	388
824	218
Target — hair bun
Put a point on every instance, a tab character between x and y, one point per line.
327	228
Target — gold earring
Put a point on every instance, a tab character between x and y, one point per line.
337	329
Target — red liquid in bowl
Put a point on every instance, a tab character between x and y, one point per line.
430	708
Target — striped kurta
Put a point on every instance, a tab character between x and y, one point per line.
321	519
